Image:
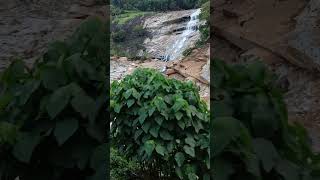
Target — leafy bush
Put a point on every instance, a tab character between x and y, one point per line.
187	52
119	36
121	167
162	123
115	10
251	137
157	5
55	113
139	30
205	29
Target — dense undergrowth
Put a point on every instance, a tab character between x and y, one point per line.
122	167
156	5
54	114
250	135
163	124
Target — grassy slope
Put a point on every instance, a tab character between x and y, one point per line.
127	16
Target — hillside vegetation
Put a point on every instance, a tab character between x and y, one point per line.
53	116
251	137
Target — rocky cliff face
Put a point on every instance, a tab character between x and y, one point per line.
27	26
166	29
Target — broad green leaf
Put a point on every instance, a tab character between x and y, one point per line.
179	103
135	94
197	125
189	150
65	129
159	120
264	121
190	141
28	89
137	134
178	115
192	176
154	131
52	77
181	124
5	99
8	132
179	172
159	103
117	108
146	127
58	101
142	117
266	152
128	93
84	105
225	130
25	145
288	170
130	102
170	147
179	157
164	134
84	69
252	163
151	111
160	149
149	147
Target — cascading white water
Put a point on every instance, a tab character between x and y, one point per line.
176	49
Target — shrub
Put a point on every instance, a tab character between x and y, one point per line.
187	52
55	113
115	10
121	167
251	136
118	36
162	123
205	34
139	30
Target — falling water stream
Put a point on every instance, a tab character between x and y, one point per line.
175	50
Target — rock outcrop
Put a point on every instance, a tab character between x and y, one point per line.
165	29
26	27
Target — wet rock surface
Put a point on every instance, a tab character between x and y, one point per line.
165	29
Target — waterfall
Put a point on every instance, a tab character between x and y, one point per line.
176	49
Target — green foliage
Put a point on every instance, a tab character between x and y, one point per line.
157	5
187	52
121	17
119	36
205	11
162	123
205	29
139	30
251	137
115	11
121	167
53	116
